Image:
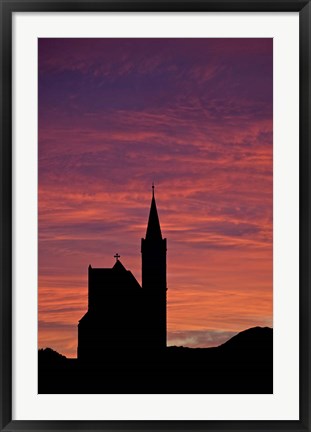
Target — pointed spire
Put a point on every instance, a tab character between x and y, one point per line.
153	228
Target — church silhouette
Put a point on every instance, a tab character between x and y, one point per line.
122	315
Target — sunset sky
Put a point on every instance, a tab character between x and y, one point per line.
195	117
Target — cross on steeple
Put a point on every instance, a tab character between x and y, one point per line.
117	256
153	189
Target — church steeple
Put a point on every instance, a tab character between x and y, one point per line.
153	254
153	227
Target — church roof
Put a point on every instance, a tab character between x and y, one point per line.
153	228
85	317
114	279
118	266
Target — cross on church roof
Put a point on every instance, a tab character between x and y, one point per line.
117	256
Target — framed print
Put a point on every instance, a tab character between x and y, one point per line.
155	215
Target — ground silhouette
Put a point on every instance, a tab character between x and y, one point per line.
244	364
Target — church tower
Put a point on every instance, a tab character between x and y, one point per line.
153	250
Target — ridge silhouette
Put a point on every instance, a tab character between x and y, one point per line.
122	339
232	368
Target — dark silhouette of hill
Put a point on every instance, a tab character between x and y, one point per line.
244	364
257	338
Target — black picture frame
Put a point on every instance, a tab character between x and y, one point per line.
8	7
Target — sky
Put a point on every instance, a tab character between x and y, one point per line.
195	117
